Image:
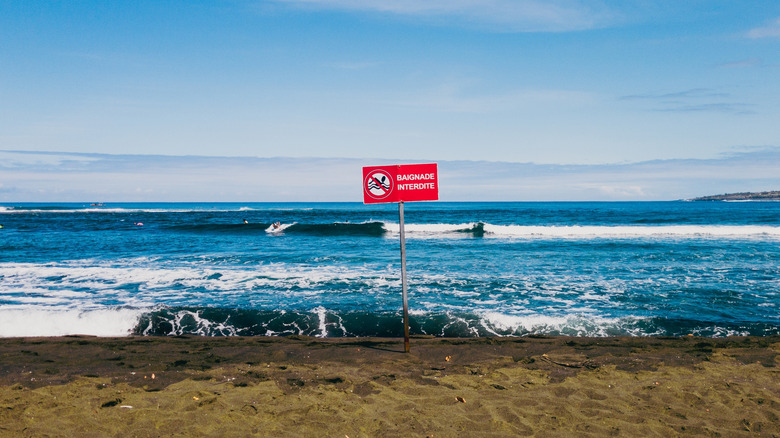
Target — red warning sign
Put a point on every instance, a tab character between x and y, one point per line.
400	183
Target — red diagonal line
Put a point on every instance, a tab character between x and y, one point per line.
377	181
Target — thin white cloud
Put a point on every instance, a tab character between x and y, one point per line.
772	30
750	62
717	107
355	65
694	100
455	98
497	15
43	160
620	191
691	93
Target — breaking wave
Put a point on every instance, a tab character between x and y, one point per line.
322	322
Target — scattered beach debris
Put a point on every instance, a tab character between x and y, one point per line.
460	399
587	363
448	358
111	403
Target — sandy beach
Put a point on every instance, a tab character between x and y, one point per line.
355	387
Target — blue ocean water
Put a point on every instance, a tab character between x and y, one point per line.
474	269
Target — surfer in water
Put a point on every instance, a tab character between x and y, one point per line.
276	228
246	221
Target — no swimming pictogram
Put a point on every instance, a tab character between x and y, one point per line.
378	184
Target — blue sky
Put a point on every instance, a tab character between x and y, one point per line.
549	83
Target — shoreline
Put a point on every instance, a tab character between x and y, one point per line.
303	386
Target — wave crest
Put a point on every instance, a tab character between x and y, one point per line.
322	322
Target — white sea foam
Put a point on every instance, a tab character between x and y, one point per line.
87	210
325	319
413	230
144	283
584	232
5	209
204	327
570	325
36	321
273	229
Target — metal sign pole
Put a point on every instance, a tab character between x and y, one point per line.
403	275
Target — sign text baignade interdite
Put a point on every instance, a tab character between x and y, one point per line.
400	183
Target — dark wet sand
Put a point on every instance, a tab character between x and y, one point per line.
355	387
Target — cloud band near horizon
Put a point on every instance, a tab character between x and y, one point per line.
83	177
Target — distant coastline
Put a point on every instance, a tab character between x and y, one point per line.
745	196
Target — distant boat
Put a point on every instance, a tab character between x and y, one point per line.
97	204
